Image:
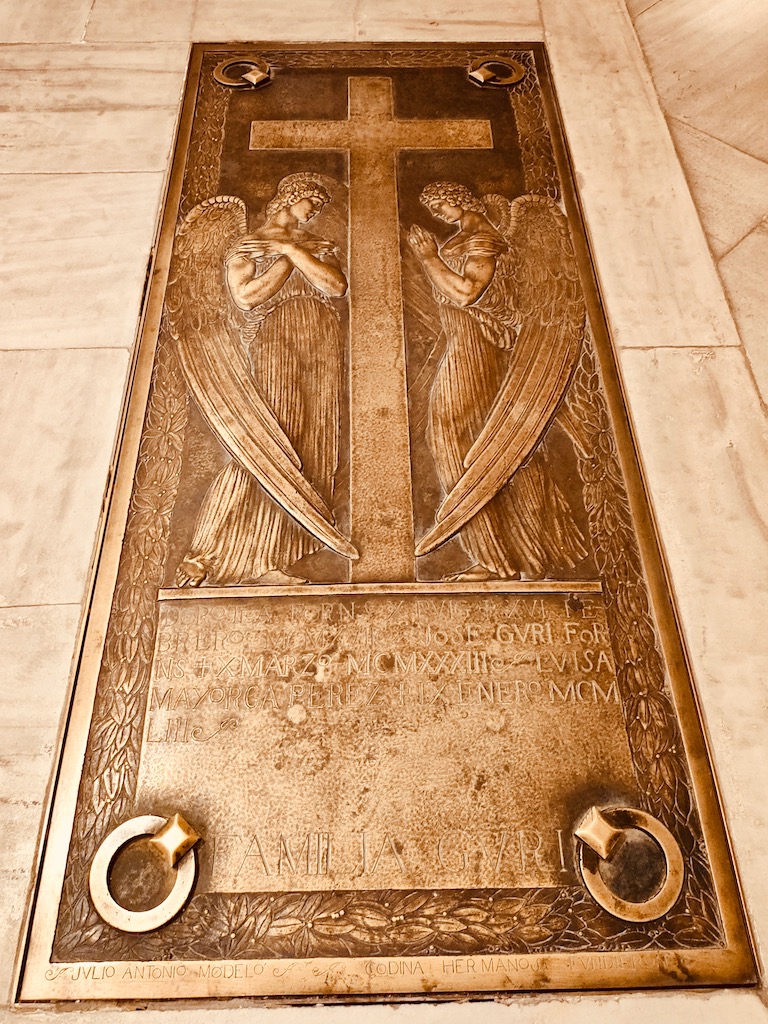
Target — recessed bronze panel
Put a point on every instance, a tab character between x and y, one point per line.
381	691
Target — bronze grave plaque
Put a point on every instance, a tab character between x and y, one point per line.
381	690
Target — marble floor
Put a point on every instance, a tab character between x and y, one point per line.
709	64
89	99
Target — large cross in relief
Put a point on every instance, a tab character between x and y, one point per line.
380	470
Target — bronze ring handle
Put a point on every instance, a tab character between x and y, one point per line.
497	72
259	73
175	838
601	838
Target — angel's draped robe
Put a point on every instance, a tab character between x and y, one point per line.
295	349
528	526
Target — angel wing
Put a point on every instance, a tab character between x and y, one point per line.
540	277
202	320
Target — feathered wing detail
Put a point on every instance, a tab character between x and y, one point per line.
203	321
538	279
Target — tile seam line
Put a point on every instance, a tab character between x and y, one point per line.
63	44
651	77
104	51
28	174
41	604
118	41
73	348
87	22
542	23
727	252
761	401
717	257
644	11
126	235
99	109
680	118
715	138
425	22
93	108
724	346
193	23
67	174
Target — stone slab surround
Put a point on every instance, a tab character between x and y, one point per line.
91	92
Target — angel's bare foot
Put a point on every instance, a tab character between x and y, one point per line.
474	574
279	578
191	572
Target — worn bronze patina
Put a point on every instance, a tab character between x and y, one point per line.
381	690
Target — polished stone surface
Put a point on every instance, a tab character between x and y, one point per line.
36	645
83	141
151	20
730	188
88	109
744	271
657	278
41	22
694	48
437	20
702	434
58	415
96	231
242	19
97	78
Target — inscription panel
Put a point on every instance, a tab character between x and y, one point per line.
381	689
384	740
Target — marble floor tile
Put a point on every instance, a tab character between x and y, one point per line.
709	66
730	189
434	20
96	57
38	21
744	271
703	438
657	277
94	233
149	20
36	646
91	78
273	20
52	142
88	109
58	415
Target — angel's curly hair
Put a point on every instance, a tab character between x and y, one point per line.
293	188
453	193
